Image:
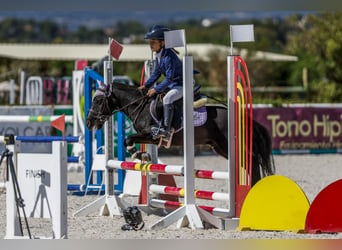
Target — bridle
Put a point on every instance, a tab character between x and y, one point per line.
107	91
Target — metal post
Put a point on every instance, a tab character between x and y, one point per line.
231	134
188	119
108	132
189	214
151	148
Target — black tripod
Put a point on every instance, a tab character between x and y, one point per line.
18	198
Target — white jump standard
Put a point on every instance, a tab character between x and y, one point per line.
43	188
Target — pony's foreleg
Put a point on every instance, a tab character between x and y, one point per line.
132	149
130	144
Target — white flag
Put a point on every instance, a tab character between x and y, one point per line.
174	38
242	33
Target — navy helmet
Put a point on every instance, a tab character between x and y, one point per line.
156	32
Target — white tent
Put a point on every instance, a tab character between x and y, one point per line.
131	52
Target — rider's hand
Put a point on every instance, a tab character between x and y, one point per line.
141	87
151	92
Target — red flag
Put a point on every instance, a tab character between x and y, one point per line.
59	124
81	64
115	49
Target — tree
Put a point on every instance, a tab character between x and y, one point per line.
317	41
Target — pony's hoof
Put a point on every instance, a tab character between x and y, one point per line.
142	156
146	157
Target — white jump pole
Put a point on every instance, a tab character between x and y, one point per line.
188	215
189	211
77	84
109	204
151	148
33	118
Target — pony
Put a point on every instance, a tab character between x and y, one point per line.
134	103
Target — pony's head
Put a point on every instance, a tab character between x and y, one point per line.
101	109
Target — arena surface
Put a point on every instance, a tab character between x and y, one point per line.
311	172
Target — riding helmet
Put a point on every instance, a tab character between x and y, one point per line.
156	32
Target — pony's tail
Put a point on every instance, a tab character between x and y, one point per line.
264	147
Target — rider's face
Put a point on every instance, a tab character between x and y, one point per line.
155	45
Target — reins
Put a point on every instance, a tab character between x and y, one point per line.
129	104
137	109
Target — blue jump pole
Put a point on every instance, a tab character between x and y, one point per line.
89	76
121	150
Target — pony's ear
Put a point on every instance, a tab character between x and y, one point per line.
101	84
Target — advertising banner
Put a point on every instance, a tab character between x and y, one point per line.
306	129
27	128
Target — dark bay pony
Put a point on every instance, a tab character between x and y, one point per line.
133	102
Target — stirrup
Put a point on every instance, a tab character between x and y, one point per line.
155	132
165	134
158	132
166	142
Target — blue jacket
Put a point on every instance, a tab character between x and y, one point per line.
171	67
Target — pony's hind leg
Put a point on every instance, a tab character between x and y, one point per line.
218	142
220	150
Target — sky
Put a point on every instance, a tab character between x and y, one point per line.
101	19
167	5
104	13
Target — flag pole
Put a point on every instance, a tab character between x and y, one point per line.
109	45
231	42
185	47
63	127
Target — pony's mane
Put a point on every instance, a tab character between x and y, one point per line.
120	85
126	87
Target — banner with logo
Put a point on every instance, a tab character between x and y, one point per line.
317	129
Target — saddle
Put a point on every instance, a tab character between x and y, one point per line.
156	111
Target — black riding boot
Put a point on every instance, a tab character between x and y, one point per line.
168	116
164	131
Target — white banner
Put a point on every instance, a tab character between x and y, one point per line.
174	38
242	33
